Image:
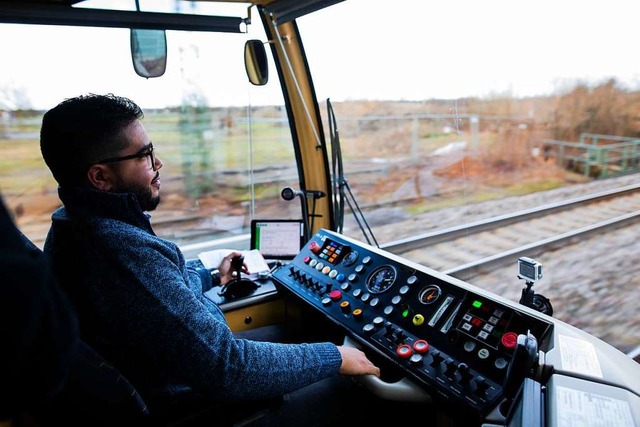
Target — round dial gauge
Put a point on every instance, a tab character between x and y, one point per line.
381	279
429	294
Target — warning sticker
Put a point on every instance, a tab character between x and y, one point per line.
582	409
579	356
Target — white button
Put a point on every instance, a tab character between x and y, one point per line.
500	363
483	353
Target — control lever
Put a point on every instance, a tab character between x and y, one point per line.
402	390
524	359
238	286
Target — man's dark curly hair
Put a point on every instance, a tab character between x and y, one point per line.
83	130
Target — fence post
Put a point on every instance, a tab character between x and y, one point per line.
604	158
587	163
475	133
414	139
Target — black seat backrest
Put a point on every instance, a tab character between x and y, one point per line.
71	381
95	394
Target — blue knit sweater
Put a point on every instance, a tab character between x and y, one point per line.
144	309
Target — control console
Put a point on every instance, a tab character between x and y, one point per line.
447	336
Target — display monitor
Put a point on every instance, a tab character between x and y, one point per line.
277	239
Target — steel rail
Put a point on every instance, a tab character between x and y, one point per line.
437	236
462	230
468	270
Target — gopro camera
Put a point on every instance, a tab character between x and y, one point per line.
529	269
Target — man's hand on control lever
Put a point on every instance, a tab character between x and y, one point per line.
355	362
226	269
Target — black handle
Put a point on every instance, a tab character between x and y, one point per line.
525	355
236	264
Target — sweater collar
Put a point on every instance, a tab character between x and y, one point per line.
85	203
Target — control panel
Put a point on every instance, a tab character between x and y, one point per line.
447	336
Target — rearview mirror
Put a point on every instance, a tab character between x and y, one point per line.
149	52
255	62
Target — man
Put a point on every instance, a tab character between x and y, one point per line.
138	302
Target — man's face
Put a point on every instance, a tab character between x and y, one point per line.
137	175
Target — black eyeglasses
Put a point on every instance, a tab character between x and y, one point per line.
146	151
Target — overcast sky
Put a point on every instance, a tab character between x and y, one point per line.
411	50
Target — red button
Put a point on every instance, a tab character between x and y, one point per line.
314	247
335	295
404	351
509	340
421	346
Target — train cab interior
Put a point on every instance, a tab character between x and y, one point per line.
473	355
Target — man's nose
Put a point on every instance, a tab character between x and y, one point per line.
158	162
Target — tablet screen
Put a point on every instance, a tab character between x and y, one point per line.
277	238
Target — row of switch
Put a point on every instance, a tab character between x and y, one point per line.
420	349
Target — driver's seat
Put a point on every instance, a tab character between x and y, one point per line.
95	393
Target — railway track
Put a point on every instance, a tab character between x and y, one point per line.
466	249
469	249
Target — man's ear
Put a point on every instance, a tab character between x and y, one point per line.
100	177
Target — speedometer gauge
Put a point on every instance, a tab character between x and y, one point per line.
381	279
